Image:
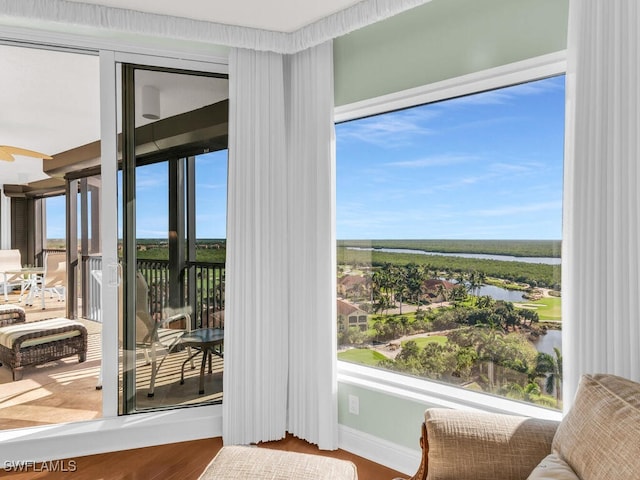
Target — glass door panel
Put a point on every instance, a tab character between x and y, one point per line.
174	128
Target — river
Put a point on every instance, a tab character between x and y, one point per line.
484	256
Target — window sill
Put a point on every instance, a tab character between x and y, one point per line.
436	394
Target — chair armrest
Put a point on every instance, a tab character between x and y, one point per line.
483	446
175	317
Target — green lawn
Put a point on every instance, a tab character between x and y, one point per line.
422	341
361	355
548	308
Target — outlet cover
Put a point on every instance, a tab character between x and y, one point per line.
354	405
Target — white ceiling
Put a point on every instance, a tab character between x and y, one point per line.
49	100
276	15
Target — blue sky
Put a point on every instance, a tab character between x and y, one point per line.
152	200
485	166
211	198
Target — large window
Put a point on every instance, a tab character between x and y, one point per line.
449	221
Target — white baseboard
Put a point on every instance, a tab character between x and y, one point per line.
391	455
53	442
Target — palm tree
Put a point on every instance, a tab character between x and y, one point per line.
381	287
476	280
404	321
378	326
485	301
442	292
529	316
489	343
551	367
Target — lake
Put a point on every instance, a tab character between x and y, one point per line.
484	256
545	343
498	293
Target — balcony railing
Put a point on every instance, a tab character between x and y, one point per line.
203	290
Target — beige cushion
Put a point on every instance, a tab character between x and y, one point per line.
11	333
552	467
484	446
600	436
237	463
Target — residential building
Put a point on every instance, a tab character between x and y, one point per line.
350	315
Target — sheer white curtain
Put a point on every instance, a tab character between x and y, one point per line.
601	235
256	296
280	354
312	269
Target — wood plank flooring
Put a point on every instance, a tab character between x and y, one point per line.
178	461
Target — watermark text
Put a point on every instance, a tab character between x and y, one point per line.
64	466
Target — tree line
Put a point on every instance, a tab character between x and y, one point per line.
533	274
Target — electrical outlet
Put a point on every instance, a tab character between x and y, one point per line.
354	405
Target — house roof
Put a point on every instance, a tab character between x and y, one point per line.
346	308
433	283
352	280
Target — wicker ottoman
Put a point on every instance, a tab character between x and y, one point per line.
33	343
237	463
10	313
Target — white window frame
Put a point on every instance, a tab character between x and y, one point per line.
418	389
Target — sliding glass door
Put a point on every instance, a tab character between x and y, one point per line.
172	205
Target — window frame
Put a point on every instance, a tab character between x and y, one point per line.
423	390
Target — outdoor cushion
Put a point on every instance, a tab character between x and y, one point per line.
598	437
10	333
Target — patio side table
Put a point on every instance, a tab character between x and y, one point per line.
207	341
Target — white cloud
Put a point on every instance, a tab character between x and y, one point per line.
519	209
507	94
433	161
212	186
390	130
150	180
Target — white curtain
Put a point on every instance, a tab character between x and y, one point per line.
280	353
256	296
601	237
312	268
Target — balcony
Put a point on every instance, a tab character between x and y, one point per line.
67	391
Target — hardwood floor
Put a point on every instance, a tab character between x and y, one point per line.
178	461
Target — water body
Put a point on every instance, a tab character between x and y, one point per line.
498	293
484	256
545	343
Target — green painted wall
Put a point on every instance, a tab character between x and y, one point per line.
384	416
444	39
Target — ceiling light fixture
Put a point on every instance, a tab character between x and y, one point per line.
150	102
